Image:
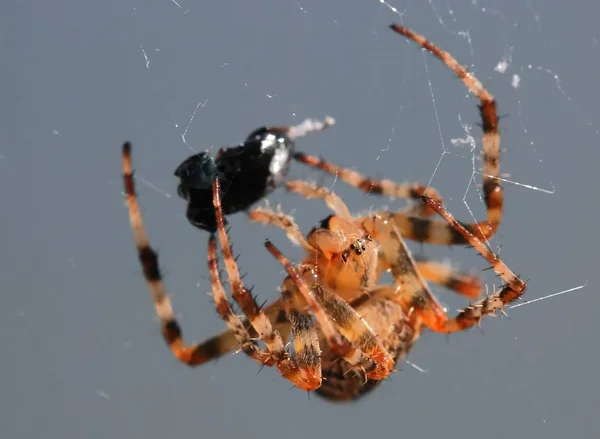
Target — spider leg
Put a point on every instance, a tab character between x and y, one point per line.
440	232
228	341
411	289
235	325
307	352
304	371
286	318
391	189
443	274
282	221
336	204
237	335
465	284
339	321
192	355
513	289
311	190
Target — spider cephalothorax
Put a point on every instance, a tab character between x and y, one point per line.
348	328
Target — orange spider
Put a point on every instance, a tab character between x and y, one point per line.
359	325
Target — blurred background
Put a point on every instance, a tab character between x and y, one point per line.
82	354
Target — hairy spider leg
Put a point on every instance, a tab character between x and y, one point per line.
416	226
304	371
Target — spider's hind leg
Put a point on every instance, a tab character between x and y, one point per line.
192	355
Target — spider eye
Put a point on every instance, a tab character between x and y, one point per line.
345	256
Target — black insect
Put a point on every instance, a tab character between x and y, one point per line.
247	172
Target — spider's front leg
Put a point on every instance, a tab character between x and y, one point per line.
513	289
304	370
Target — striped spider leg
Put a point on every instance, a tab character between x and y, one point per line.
303	370
413	223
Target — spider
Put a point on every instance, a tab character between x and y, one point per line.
359	325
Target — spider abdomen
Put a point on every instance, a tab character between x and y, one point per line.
389	322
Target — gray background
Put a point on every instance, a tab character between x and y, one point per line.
82	354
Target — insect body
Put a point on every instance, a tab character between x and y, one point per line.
247	172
